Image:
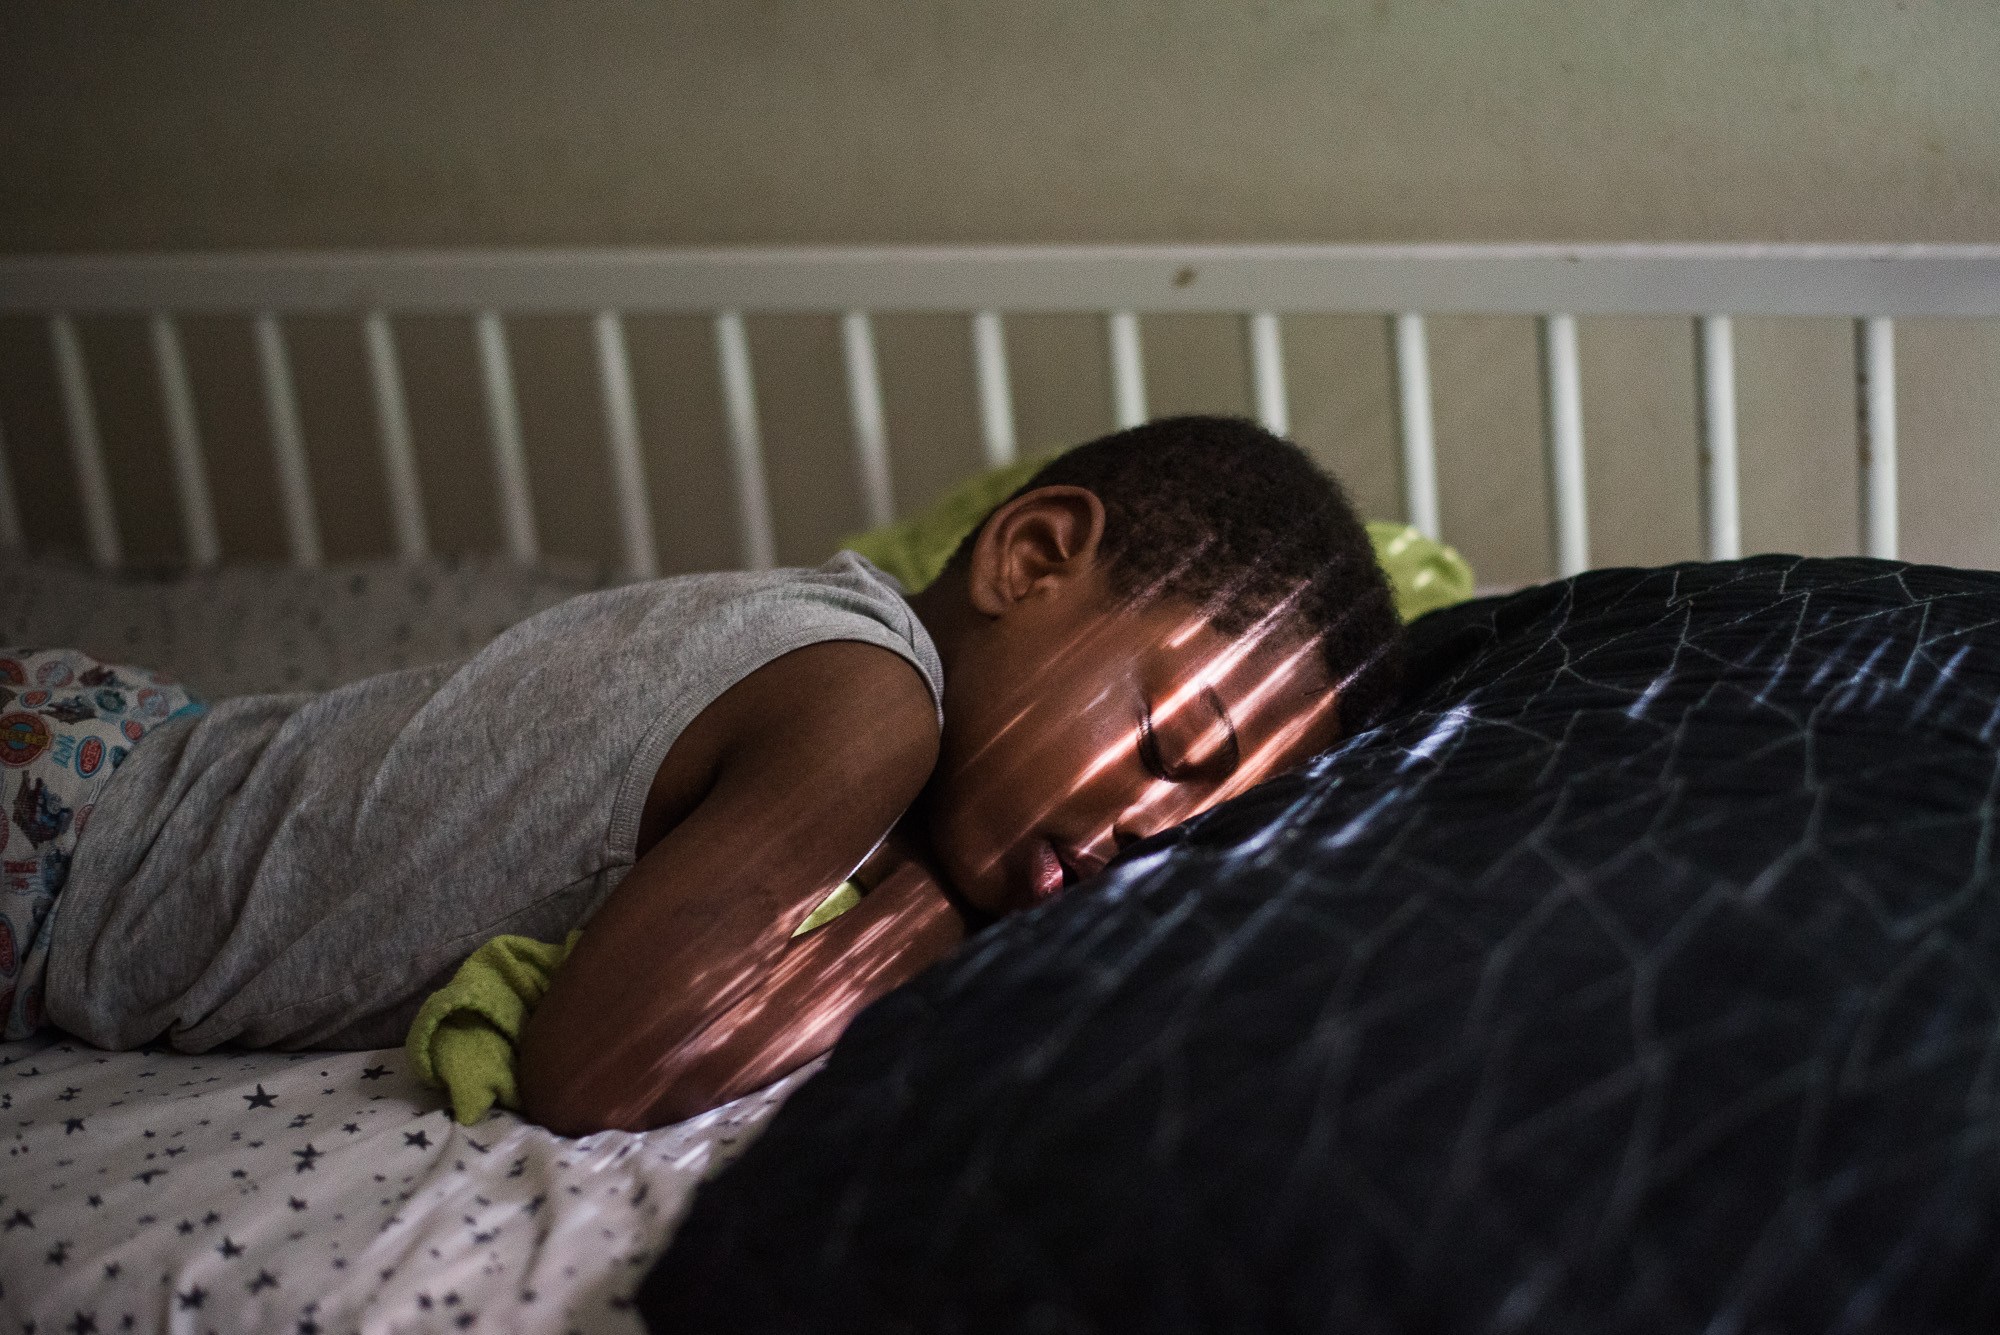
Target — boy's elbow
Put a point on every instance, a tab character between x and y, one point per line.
561	1109
578	1102
570	1114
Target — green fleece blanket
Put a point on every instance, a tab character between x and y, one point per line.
1424	574
463	1039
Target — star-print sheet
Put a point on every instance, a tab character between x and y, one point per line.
320	1192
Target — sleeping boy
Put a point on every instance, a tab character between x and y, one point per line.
1156	621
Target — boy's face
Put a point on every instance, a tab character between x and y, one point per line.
1073	729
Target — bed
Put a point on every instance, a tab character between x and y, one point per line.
329	1191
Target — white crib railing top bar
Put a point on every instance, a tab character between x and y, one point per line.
1885	280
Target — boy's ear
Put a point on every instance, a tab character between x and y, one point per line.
1032	545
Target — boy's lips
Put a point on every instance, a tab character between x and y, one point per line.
1049	873
1056	869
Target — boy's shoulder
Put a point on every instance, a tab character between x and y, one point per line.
845	599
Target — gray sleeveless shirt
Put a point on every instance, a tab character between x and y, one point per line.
302	870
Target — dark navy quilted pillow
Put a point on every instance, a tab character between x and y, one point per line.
1643	974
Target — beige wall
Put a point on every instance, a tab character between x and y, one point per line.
383	124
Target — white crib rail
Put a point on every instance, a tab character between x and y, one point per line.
204	544
392	425
288	441
1413	399
503	426
10	510
86	446
1267	372
871	432
1715	394
1708	283
996	395
1562	417
628	472
1875	362
746	441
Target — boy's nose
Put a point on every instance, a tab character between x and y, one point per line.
1140	823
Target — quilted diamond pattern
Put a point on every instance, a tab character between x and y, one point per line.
1642	974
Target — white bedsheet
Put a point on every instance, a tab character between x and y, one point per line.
321	1192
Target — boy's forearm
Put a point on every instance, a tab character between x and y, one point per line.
902	927
757	1018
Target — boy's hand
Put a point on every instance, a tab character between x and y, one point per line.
687	989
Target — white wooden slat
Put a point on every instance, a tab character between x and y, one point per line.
392	427
746	441
1128	370
197	505
10	510
864	403
1875	366
1267	371
1564	398
1419	438
288	442
628	469
503	427
996	394
86	444
1525	279
1715	392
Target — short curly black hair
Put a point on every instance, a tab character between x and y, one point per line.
1219	513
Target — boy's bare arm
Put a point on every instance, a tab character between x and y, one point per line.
688	989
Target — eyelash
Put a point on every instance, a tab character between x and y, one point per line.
1149	750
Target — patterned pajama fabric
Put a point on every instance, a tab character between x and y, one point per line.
67	722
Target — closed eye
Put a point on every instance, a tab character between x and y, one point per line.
1222	764
1231	753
